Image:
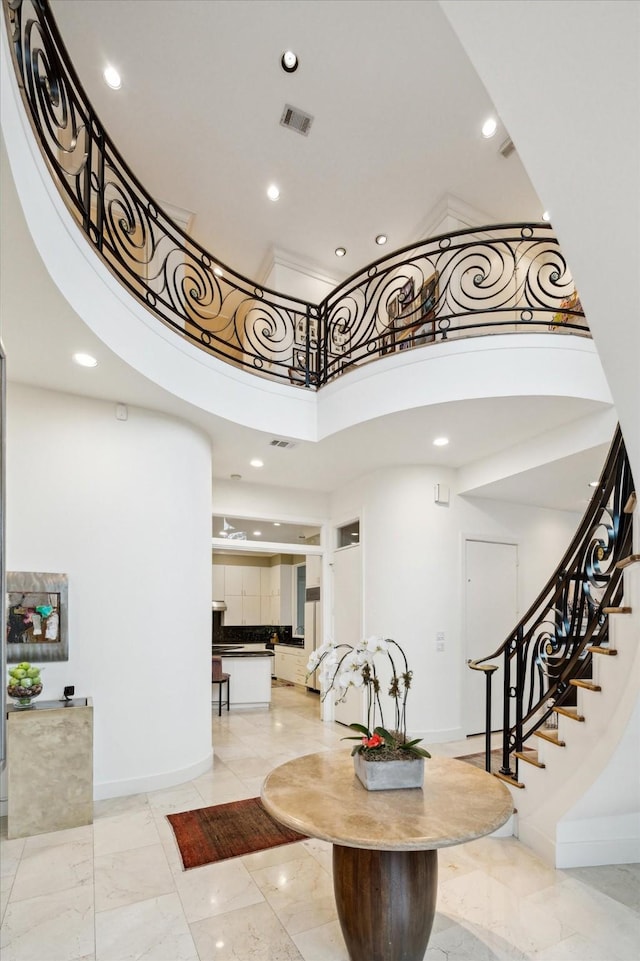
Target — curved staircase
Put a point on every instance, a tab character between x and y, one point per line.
571	705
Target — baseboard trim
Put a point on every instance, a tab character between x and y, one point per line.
582	854
153	782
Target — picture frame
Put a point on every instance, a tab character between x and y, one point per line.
428	301
300	330
338	340
37	617
387	342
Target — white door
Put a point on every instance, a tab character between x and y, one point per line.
347	621
491	613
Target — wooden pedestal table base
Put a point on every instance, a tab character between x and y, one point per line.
385	867
386	901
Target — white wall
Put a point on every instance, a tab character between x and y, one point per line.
123	508
412	562
264	501
577	131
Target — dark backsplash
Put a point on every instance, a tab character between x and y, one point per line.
260	634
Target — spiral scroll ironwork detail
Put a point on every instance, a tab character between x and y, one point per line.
550	645
506	278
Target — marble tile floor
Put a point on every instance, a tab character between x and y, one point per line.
115	890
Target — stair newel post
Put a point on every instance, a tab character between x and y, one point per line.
519	692
506	709
489	671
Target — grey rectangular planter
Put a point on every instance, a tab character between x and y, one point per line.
389	775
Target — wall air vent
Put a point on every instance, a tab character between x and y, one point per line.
507	148
296	119
284	444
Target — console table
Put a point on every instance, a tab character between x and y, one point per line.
385	868
49	767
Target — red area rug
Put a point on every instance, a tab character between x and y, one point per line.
227	831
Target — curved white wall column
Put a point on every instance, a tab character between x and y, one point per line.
123	508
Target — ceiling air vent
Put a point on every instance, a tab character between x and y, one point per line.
507	148
284	444
296	119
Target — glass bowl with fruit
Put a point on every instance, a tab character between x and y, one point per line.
24	683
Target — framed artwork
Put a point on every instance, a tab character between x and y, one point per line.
387	342
301	330
406	296
339	339
37	607
569	303
428	300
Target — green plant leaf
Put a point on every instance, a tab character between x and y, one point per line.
356	750
385	734
356	737
361	728
413	749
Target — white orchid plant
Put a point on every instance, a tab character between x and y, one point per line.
343	666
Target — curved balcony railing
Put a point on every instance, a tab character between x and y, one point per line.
551	644
507	278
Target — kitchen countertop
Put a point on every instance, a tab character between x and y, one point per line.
239	650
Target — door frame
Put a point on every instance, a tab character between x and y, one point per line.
485	539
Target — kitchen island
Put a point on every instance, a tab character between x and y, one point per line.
249	667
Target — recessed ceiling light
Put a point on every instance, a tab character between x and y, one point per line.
340	251
256	462
222	533
273	192
593	483
276	523
257	533
218	271
85	360
546	216
289	61
381	239
112	78
489	127
441	442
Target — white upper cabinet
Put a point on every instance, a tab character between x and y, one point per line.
254	595
243	581
218	591
313	564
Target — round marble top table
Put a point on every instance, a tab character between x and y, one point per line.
385	868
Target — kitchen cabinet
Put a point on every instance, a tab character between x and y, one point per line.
313	564
242	581
242	611
290	665
242	595
276	595
253	594
217	582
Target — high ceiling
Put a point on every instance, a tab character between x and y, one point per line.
397	113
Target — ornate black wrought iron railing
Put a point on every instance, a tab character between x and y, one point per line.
550	645
506	278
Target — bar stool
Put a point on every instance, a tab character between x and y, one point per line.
219	677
